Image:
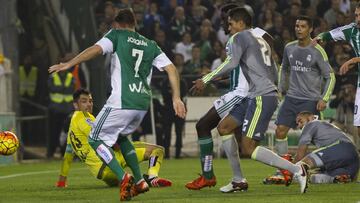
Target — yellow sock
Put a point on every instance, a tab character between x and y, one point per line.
155	161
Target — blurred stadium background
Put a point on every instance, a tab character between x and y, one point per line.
43	32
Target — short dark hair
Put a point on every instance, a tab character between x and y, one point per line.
307	19
227	7
241	13
78	92
305	113
126	16
358	5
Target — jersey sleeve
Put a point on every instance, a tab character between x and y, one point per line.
108	42
307	134
231	61
326	72
161	61
284	72
337	34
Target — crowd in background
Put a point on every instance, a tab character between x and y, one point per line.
192	28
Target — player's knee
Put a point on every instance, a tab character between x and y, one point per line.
201	128
159	148
224	129
280	132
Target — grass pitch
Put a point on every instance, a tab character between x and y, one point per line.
35	183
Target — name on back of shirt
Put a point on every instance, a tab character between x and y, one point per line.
137	41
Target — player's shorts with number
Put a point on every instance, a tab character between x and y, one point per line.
225	103
356	108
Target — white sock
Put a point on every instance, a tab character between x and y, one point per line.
281	146
232	153
270	158
321	178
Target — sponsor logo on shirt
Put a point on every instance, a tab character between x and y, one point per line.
300	67
137	41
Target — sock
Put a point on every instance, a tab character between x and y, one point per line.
129	153
321	178
106	154
155	160
232	153
270	158
206	155
281	146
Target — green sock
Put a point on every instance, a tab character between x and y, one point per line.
106	154
206	156
128	151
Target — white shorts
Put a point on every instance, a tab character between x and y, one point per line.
225	103
112	122
356	108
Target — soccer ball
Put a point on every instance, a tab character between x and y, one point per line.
9	143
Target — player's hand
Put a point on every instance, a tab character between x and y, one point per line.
321	105
345	68
198	87
315	41
59	67
179	108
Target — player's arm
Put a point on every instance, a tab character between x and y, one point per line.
305	139
231	62
284	73
348	65
103	46
337	34
300	153
329	76
162	62
65	166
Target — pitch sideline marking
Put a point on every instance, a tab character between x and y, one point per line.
35	173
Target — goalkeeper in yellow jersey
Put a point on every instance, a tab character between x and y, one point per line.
78	145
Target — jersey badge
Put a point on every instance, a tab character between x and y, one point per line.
308	58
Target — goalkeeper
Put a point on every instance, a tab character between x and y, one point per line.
77	145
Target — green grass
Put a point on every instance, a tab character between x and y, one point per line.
37	185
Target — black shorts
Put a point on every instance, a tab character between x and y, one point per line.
339	159
254	115
291	107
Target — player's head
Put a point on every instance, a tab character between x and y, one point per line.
239	19
82	100
357	15
303	118
303	27
224	15
125	19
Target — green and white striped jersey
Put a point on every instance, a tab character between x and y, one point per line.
349	33
133	57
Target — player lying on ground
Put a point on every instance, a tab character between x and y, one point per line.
78	145
336	156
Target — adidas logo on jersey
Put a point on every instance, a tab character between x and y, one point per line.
137	41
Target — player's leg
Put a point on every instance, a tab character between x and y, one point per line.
256	122
230	145
357	114
103	136
168	122
340	160
203	127
155	155
179	129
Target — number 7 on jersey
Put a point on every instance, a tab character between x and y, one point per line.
139	54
